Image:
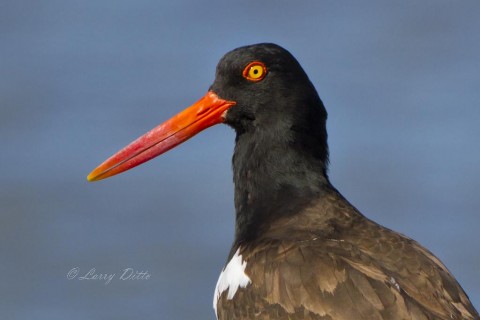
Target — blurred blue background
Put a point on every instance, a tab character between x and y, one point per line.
81	79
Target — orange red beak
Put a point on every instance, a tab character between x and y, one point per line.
206	112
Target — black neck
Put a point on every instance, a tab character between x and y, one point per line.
276	175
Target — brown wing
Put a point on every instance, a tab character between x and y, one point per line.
337	280
349	268
421	276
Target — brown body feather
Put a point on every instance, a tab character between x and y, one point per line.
330	262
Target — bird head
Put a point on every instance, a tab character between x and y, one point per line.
258	88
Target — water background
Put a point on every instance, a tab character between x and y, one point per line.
81	79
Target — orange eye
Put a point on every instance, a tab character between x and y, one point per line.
255	71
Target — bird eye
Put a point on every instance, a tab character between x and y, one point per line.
255	71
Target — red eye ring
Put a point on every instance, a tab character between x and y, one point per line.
255	71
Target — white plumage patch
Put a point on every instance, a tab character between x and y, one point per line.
394	282
232	277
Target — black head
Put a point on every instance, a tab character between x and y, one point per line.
281	153
283	104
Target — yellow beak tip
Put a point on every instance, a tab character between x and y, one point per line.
91	178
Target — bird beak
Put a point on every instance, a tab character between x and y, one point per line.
206	112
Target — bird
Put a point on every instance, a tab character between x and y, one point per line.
300	250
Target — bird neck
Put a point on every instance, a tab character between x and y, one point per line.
275	176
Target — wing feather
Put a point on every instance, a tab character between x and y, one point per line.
316	281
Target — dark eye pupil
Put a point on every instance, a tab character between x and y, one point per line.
255	71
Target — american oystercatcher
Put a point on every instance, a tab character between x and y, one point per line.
301	250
